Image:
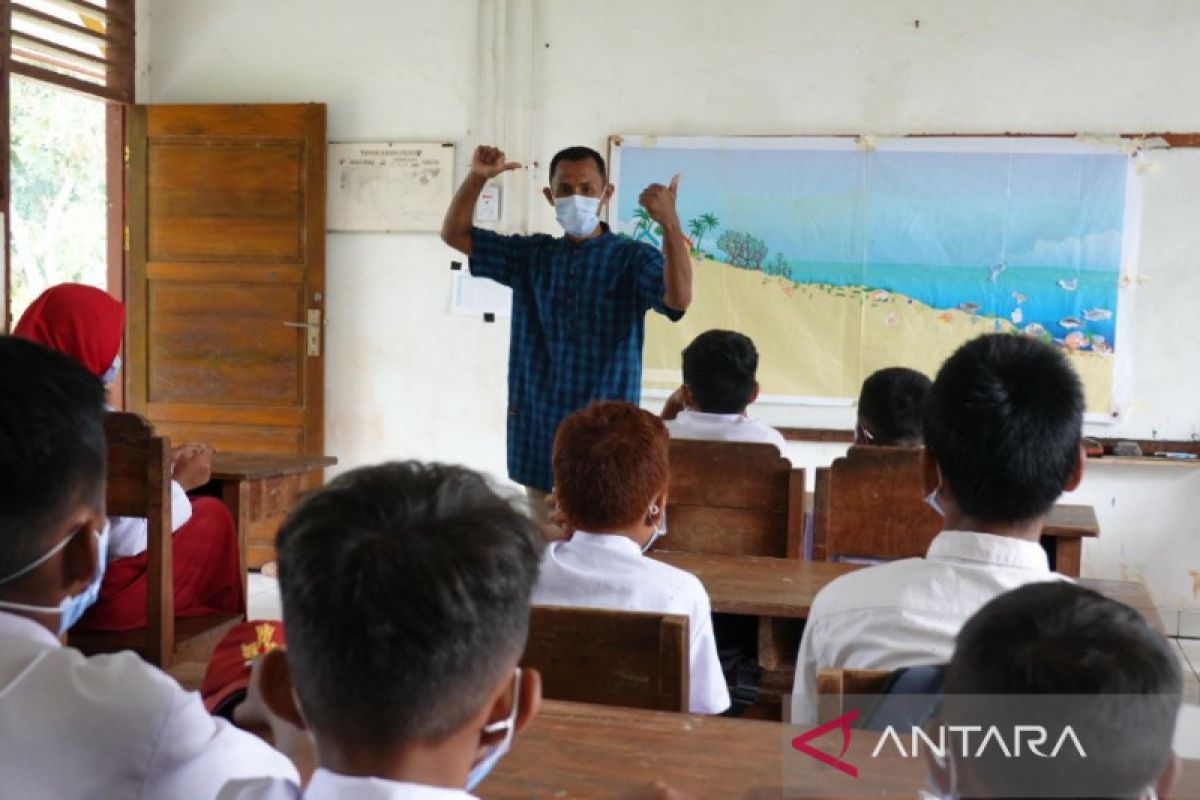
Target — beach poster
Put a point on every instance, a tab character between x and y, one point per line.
840	256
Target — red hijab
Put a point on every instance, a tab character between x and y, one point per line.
82	321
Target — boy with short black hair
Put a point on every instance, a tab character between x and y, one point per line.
719	383
73	726
1062	654
1002	442
891	404
406	601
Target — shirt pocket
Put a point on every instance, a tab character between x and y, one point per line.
610	313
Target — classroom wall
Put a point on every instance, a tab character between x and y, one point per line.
407	379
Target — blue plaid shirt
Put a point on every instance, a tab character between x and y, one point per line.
578	324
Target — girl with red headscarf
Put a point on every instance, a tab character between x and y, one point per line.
86	323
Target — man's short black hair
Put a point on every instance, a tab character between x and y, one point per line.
406	593
891	406
1054	640
718	369
578	153
53	455
1003	422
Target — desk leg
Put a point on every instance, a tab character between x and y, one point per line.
236	496
1068	554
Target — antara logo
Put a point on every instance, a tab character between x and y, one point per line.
1024	739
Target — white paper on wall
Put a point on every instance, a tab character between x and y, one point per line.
389	186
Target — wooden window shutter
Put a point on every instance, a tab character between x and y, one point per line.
84	45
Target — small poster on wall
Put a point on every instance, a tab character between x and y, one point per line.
389	186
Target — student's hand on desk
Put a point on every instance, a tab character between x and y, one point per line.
653	791
488	162
659	202
192	465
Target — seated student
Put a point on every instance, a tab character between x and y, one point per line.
610	479
86	323
72	726
1002	430
1078	658
405	676
718	385
890	406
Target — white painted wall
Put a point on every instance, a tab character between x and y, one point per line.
406	379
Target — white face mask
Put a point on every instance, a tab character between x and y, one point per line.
660	528
931	498
111	373
509	726
578	215
72	607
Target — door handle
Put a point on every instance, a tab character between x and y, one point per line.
313	330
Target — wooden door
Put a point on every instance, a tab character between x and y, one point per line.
226	274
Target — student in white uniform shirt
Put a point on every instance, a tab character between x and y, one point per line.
1053	654
1002	442
406	603
719	383
610	481
891	408
72	726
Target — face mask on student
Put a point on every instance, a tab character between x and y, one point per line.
509	726
111	373
578	215
931	499
660	528
70	609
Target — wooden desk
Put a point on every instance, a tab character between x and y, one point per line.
260	489
571	750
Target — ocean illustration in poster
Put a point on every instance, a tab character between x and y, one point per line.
838	260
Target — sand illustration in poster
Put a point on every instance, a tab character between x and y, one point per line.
839	259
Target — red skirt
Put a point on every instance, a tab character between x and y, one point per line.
208	577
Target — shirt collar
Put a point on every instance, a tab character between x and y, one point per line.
24	628
616	542
605	235
705	416
989	549
327	784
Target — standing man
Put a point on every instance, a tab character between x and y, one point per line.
579	301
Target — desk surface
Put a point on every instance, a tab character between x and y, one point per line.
783	588
251	466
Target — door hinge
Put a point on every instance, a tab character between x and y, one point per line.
126	236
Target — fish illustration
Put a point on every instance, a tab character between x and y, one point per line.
1097	314
1034	329
969	307
1017	316
1068	286
1070	323
1074	341
1097	339
879	295
945	316
1019	298
1101	347
994	271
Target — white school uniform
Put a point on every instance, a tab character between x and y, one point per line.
110	726
597	570
906	613
722	428
128	536
326	785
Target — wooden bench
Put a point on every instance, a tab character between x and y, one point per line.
139	485
618	658
870	504
732	498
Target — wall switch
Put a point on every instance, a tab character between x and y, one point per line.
487	208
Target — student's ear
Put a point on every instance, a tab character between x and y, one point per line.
685	395
81	555
930	477
1076	476
754	394
1165	785
531	698
275	688
549	195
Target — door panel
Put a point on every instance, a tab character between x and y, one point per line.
226	262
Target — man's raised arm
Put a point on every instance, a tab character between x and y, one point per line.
487	162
